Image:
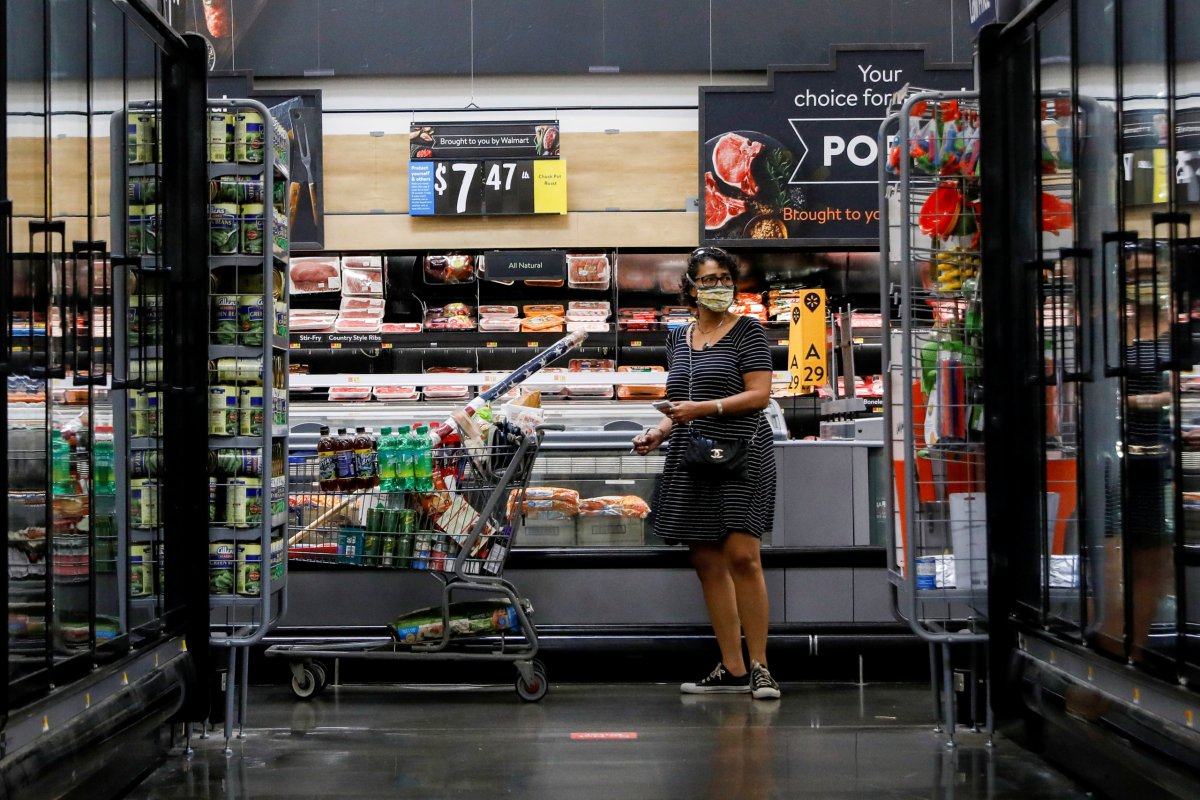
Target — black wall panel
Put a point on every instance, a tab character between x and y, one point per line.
284	38
413	37
536	36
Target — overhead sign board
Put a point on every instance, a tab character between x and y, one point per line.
795	162
461	169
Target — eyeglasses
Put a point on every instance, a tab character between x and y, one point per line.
711	281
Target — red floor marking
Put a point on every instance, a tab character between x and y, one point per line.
602	736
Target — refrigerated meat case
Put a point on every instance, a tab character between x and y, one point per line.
85	667
1090	185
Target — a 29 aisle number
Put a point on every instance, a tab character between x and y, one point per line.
812	376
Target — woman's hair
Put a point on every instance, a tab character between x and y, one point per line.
698	257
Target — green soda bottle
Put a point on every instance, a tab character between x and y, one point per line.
404	459
422	460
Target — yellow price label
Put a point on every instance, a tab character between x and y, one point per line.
550	186
807	357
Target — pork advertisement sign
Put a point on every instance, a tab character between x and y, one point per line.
795	163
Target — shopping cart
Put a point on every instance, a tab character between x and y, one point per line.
460	532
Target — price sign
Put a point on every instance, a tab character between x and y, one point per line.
807	367
474	188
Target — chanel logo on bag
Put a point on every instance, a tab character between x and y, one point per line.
716	453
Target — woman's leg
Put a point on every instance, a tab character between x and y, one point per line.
744	561
718	586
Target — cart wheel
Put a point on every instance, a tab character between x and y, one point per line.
536	689
318	671
306	688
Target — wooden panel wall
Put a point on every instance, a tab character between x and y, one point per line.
624	190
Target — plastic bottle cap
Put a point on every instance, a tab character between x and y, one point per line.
386	431
104	429
324	430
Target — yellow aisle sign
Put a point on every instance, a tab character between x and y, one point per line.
550	186
807	342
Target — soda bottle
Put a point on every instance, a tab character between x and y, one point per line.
422	460
344	448
384	459
364	458
404	459
60	453
374	457
104	475
327	460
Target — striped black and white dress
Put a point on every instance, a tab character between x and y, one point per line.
691	510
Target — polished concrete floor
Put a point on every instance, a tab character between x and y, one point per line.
821	741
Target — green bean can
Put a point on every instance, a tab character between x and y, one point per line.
255	504
250	410
225	318
136	491
251	319
220	568
250	190
248	135
134	226
220	136
235	503
141	572
151	229
212	498
252	229
249	569
223	228
153	416
224	190
222	410
279	232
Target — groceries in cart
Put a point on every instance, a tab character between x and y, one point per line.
465	619
401	500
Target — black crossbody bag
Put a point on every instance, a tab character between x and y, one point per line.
712	458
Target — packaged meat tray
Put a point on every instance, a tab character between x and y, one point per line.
450	268
638	319
614	506
670	278
544	309
587	326
304	321
590	365
546	283
749	304
349	394
500	324
637	392
362	262
598	309
401	327
362	306
451	317
542	381
362	281
498	311
390	394
314	275
545	323
588	272
354	324
447	392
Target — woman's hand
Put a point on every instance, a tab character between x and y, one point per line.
685	411
648	442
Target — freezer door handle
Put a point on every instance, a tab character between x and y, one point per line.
1119	238
1180	336
87	371
53	369
6	287
1085	352
1038	268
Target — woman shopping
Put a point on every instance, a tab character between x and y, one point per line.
717	493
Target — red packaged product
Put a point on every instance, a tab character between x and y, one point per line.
314	275
588	272
346	394
396	393
401	327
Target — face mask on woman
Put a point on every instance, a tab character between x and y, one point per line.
718	298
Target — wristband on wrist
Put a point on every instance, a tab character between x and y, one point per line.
720	408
